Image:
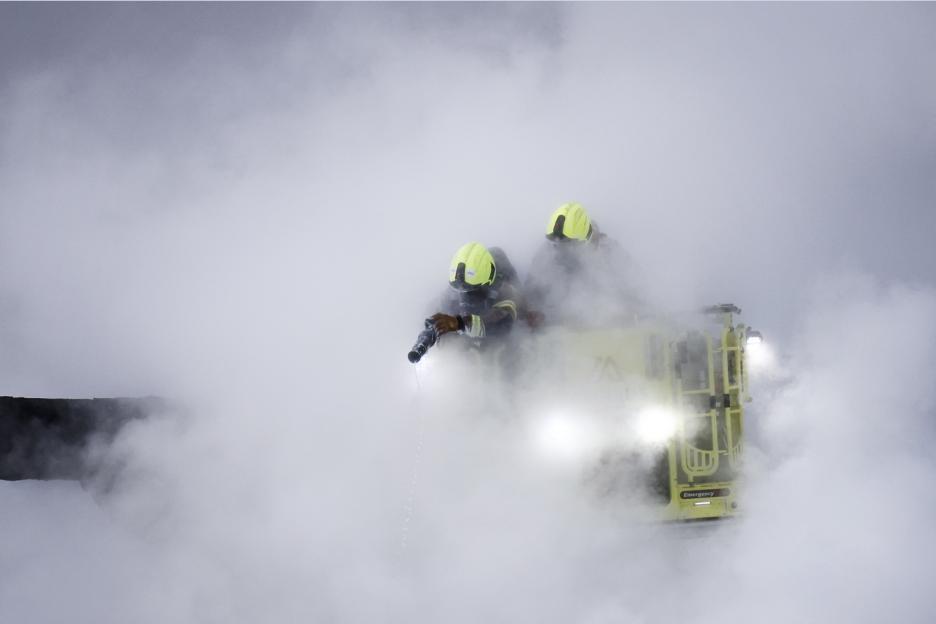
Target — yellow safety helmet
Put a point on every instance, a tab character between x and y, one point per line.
472	267
569	222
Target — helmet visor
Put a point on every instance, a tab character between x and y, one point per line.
559	237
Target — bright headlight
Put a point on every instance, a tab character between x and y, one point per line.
564	436
760	357
656	425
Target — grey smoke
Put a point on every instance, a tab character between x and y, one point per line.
247	208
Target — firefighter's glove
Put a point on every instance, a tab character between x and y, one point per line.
445	323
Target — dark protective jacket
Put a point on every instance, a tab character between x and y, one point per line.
582	283
492	310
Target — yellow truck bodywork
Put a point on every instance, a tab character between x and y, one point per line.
698	374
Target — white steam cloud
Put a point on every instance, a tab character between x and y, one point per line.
246	209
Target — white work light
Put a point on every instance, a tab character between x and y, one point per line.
656	424
565	436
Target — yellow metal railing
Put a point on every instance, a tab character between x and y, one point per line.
733	377
735	436
698	462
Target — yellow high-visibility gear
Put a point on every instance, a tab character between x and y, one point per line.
569	221
472	267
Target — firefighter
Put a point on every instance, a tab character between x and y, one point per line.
483	301
580	275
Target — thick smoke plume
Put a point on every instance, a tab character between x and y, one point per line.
247	209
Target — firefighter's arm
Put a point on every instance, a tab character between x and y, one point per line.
495	321
498	320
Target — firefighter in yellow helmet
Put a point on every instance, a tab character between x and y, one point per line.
580	275
482	302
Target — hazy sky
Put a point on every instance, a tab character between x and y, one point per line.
248	208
